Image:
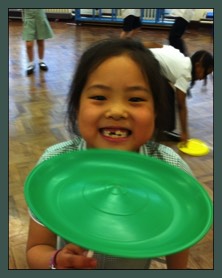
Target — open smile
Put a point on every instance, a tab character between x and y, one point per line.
115	132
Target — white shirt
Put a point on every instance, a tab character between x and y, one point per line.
174	65
127	12
187	14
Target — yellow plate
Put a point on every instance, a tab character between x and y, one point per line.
194	147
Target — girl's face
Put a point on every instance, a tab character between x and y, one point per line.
116	107
200	72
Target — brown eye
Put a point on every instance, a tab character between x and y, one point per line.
98	97
136	99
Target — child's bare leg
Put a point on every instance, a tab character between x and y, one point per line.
129	34
30	54
133	33
41	49
29	49
123	34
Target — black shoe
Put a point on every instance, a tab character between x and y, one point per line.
173	136
30	69
43	66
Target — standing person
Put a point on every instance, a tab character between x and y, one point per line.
131	23
35	27
180	74
116	101
183	17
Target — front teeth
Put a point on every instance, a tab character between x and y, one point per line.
115	134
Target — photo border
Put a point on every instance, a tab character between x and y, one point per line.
4	101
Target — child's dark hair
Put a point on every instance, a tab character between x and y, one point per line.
101	51
207	62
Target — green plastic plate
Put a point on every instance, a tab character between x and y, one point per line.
119	203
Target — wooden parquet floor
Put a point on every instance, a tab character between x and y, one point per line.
37	119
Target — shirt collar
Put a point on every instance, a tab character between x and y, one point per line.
82	146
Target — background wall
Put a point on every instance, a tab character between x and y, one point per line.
199	13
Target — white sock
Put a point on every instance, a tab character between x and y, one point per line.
31	63
41	61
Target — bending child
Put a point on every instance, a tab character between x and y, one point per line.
180	74
131	23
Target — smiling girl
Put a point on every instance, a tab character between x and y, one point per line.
116	101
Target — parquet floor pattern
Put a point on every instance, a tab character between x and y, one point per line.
37	106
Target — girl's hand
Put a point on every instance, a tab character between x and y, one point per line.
74	257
